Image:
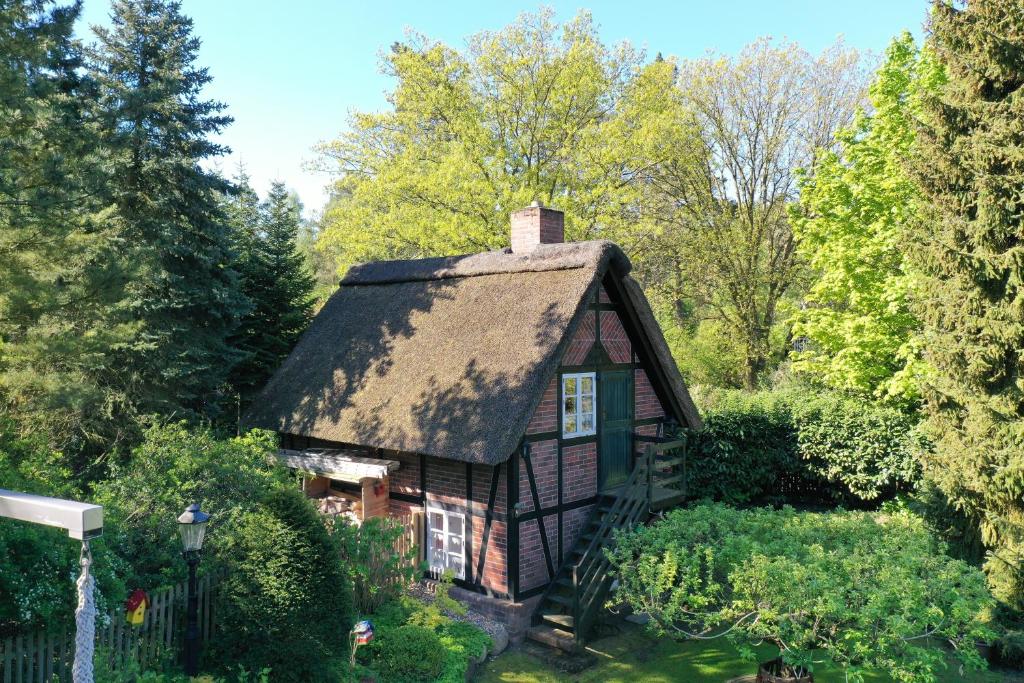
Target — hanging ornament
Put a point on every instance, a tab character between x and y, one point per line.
135	607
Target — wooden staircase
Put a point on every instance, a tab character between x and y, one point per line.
575	597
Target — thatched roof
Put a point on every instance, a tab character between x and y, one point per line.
443	356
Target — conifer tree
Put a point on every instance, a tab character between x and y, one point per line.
183	293
969	166
275	279
59	270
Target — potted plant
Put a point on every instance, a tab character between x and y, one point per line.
866	591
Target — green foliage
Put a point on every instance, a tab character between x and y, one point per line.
58	254
794	444
163	670
1010	649
39	565
853	225
284	604
724	243
410	654
274	279
532	111
459	641
688	167
442	598
181	293
377	573
968	166
868	591
174	467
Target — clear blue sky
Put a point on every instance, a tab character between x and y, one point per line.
291	72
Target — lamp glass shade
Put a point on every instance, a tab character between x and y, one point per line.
192	526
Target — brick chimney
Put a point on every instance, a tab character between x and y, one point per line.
536	225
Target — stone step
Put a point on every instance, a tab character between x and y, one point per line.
564	621
560	599
552	637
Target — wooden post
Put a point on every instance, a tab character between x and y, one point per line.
649	462
576	616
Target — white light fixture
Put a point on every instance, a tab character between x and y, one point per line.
192	526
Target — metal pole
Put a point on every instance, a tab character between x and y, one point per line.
192	620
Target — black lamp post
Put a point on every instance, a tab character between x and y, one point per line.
192	525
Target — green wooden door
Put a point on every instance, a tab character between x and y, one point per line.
615	404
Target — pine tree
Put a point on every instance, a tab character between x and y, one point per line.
969	166
183	293
59	273
275	279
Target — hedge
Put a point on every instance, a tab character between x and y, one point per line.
799	446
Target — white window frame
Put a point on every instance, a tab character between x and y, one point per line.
579	431
439	565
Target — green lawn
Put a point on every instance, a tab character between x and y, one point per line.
634	655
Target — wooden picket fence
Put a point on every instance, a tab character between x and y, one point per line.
47	656
412	522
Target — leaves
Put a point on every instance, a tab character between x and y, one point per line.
967	165
869	591
853	224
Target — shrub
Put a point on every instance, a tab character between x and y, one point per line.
39	565
459	640
175	466
410	654
868	591
285	603
792	445
377	573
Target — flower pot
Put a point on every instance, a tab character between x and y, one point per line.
772	672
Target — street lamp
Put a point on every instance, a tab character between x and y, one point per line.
192	526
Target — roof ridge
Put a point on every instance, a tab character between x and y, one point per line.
593	254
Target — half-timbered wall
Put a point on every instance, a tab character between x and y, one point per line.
565	471
478	492
512	553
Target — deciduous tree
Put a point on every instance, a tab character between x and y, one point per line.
534	111
852	224
762	115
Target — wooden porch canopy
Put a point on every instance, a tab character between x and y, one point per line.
344	465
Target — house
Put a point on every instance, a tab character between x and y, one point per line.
509	395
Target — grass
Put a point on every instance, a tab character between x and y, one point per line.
635	655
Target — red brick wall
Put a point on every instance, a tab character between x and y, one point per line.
495	572
544	459
533	571
614	338
545	417
573	522
446	481
582	341
579	471
406	479
536	225
647	403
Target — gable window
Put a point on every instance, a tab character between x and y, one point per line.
446	534
579	404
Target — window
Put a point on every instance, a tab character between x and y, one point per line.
579	405
446	541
